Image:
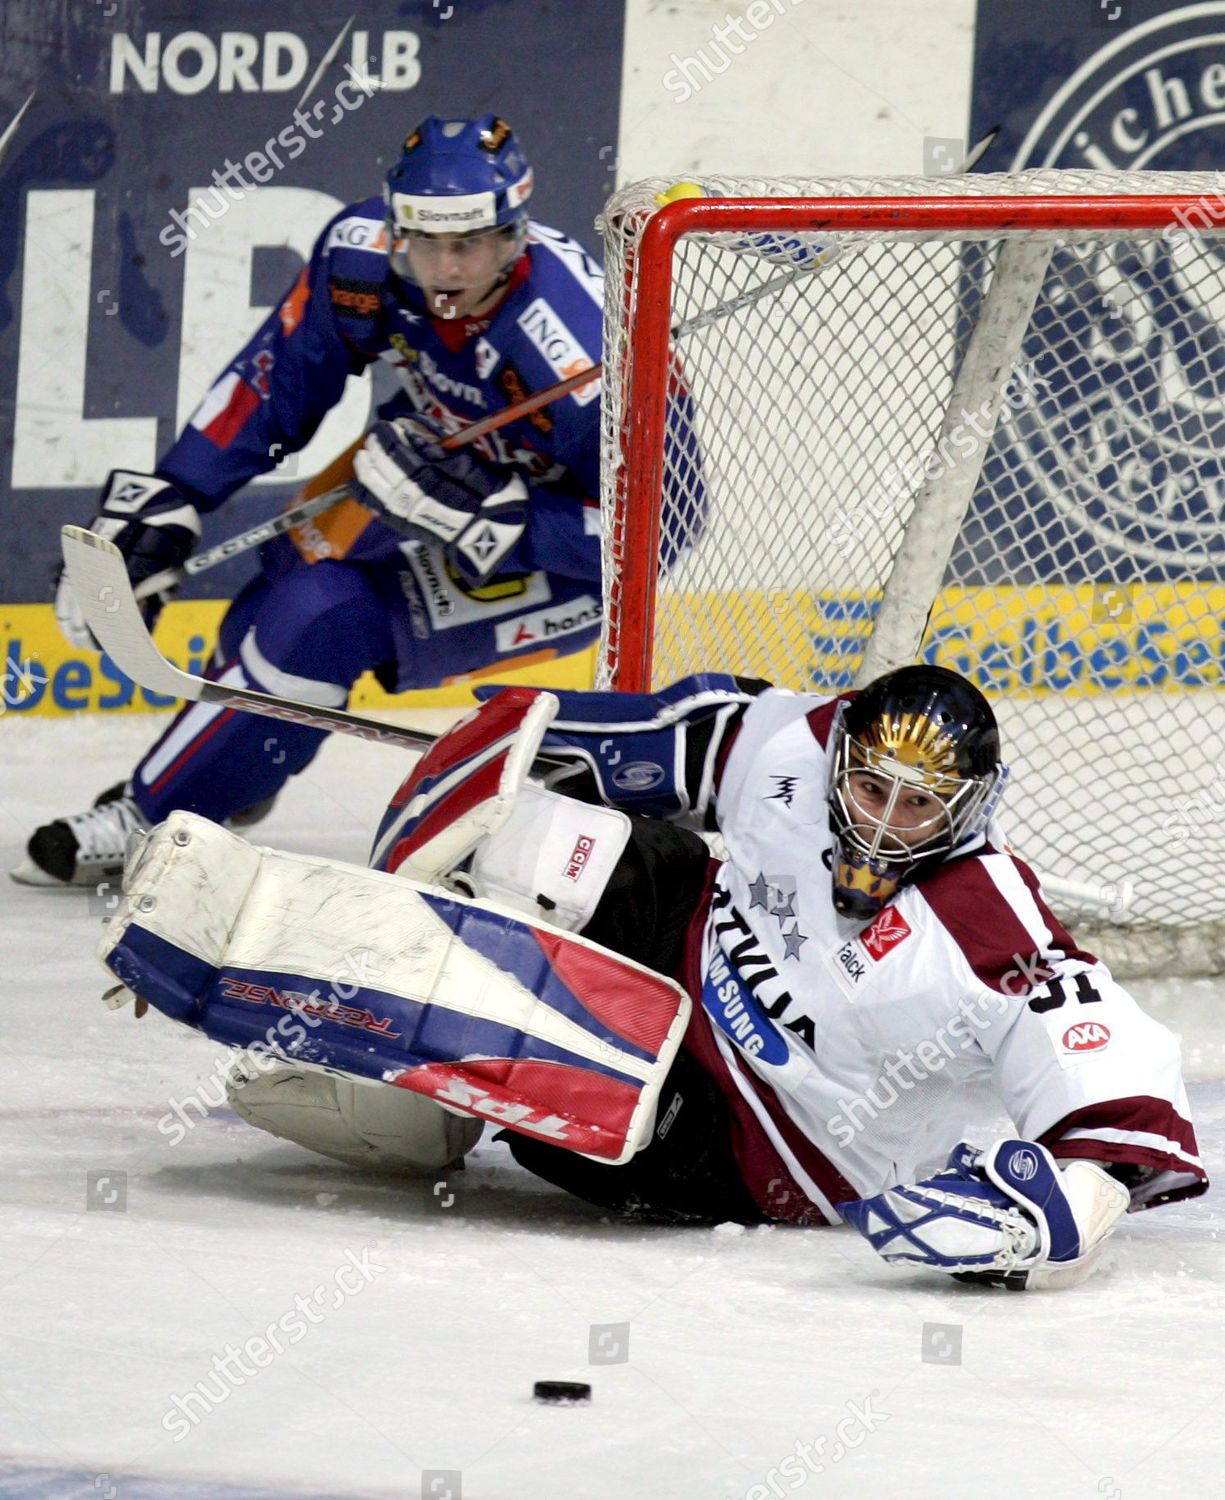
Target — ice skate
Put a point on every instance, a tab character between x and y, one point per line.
86	848
54	854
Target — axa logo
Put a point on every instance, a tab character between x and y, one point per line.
1086	1036
887	930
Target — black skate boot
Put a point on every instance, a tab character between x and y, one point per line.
86	849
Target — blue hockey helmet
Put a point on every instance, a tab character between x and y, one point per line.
458	178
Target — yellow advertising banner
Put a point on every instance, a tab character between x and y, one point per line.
43	675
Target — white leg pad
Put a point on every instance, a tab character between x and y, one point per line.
351	1120
552	859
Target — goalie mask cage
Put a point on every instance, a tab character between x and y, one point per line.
972	420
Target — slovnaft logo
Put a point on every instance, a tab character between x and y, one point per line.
1126	439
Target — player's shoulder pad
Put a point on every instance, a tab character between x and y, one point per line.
991	907
563	268
821	718
352	255
354	241
552	325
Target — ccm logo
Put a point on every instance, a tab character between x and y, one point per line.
1087	1036
577	862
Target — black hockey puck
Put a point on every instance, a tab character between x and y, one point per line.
561	1392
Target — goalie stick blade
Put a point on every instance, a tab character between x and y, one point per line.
99	579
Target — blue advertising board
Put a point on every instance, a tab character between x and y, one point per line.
1117	470
171	170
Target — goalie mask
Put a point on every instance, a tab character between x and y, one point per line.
915	775
457	211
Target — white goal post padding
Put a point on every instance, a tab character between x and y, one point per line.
834	388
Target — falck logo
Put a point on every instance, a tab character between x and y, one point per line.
1121	447
887	930
1086	1036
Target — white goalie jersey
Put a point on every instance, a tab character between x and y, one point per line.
856	1056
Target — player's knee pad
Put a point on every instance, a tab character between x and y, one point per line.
552	859
352	1120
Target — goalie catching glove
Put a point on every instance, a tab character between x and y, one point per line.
154	527
477	510
1008	1215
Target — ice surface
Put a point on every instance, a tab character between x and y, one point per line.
739	1343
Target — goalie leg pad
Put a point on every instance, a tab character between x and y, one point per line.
351	1120
365	973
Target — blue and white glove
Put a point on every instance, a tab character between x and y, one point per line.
154	527
477	510
1009	1215
649	753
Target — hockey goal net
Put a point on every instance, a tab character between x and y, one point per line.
973	420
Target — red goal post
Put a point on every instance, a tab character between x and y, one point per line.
824	344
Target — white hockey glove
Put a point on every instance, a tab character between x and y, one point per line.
154	527
1009	1216
477	510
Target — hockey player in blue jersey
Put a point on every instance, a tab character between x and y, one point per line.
473	558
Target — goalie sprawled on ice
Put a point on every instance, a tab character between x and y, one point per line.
797	1033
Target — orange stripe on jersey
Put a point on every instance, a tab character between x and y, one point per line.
517	663
331	534
294	305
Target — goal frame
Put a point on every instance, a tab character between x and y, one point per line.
628	645
645	246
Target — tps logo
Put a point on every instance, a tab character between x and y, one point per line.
1121	447
887	930
1086	1036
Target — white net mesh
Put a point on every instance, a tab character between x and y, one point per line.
1084	593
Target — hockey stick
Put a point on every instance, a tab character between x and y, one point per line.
100	581
264	531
